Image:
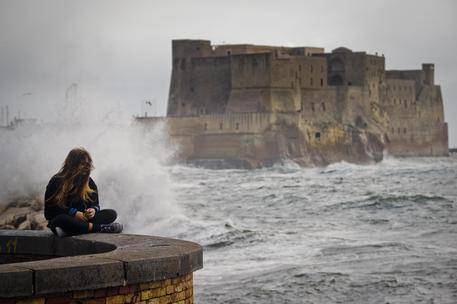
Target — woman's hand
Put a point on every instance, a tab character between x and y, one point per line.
89	213
80	216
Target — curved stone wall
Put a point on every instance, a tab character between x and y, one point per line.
96	268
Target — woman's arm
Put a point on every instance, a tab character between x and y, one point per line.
94	196
51	209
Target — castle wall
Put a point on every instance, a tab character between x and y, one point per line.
418	76
262	102
186	48
346	68
417	125
250	83
238	49
210	84
199	85
320	105
357	69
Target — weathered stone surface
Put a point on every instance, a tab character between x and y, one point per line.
21	241
75	273
153	258
15	281
105	260
250	106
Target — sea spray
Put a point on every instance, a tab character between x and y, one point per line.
130	164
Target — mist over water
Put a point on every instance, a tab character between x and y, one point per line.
382	233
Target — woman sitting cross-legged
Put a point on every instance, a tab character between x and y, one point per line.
71	199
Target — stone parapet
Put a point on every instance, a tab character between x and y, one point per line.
96	268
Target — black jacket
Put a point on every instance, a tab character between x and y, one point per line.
74	202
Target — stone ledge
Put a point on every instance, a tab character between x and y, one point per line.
91	261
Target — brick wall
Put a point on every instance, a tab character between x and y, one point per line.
171	291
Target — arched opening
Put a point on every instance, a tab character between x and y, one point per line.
336	65
336	80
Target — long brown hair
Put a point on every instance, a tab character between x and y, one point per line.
74	177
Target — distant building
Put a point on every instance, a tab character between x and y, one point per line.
252	105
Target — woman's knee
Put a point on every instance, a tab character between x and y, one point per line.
112	213
105	216
61	219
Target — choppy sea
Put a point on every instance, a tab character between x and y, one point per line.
380	233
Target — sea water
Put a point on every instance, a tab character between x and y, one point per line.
345	233
380	233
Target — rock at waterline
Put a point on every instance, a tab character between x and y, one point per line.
23	213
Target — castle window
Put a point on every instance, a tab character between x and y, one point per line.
311	82
183	104
312	68
317	135
237	126
312	107
406	103
198	49
322	82
229	53
205	126
299	67
323	106
220	126
192	89
404	130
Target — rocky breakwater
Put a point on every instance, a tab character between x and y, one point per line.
25	213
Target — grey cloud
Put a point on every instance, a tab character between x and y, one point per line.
120	50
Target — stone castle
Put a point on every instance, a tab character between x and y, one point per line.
248	105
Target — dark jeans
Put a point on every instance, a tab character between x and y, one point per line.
73	226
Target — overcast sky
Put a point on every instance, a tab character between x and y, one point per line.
119	52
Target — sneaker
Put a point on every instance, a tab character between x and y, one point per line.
111	228
57	231
60	232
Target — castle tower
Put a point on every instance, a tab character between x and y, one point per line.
190	48
429	73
